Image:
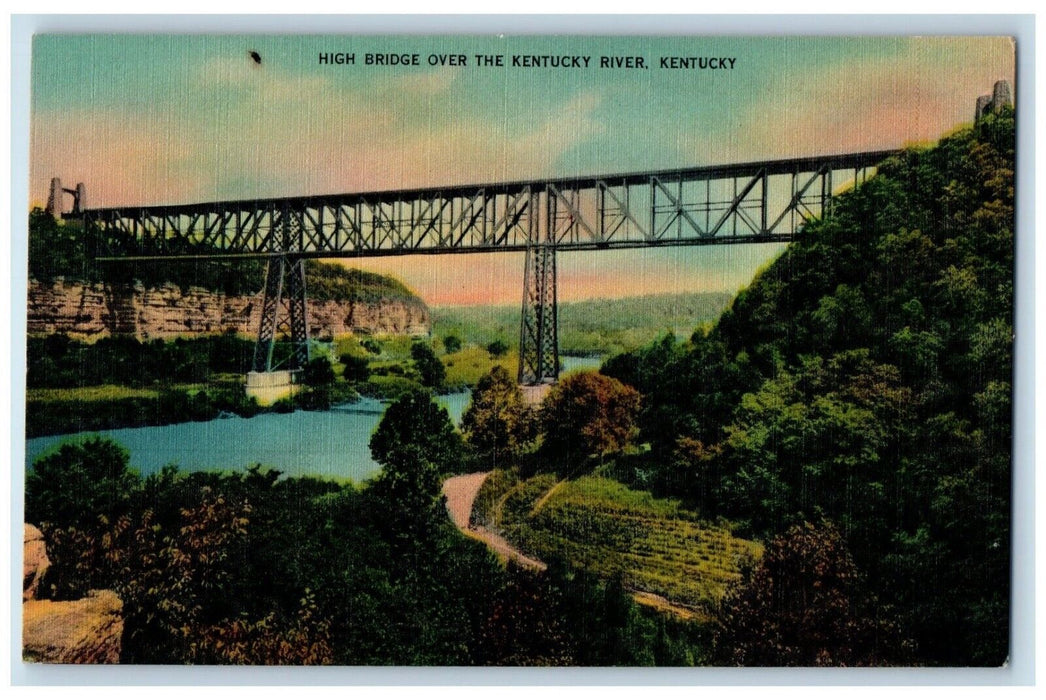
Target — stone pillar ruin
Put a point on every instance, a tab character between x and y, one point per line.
994	103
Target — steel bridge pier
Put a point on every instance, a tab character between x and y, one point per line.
539	327
283	312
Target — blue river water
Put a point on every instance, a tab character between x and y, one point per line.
327	444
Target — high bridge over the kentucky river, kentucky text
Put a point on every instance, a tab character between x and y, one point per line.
758	202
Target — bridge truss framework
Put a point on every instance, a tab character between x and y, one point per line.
759	202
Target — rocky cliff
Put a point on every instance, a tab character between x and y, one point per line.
89	311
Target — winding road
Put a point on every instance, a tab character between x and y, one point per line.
461	494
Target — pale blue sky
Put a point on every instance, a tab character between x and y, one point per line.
168	119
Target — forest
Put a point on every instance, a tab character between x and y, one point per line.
842	432
865	379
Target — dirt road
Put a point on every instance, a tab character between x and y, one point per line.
461	494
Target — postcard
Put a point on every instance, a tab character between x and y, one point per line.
490	350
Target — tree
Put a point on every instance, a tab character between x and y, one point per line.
80	484
371	346
433	373
318	372
524	627
498	422
588	413
804	605
451	343
497	348
416	421
175	585
357	369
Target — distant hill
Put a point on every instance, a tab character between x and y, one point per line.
57	249
592	327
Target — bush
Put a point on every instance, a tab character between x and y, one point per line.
497	348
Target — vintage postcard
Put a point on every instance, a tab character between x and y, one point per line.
486	350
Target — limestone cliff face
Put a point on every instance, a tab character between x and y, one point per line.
93	310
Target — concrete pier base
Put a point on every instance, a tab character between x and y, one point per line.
534	394
269	387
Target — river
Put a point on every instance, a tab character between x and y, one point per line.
330	444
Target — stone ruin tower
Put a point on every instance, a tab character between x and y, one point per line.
992	104
56	194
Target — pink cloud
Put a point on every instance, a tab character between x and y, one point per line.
113	155
876	103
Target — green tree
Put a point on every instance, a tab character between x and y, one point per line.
416	421
451	343
497	348
81	484
433	373
318	372
357	369
173	586
498	422
588	413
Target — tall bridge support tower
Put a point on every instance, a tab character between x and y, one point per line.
538	337
283	313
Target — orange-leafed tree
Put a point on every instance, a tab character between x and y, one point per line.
588	414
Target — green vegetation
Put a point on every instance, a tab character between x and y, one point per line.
334	282
433	373
120	382
803	606
467	366
57	361
649	544
498	424
415	420
865	378
589	328
248	568
96	411
588	414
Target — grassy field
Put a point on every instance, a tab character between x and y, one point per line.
105	392
465	367
653	544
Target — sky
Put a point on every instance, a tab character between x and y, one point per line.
146	119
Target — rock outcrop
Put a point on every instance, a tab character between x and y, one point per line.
34	561
85	631
86	310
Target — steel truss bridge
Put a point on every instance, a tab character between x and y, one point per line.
759	202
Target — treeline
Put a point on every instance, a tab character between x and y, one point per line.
66	249
182	380
865	379
57	361
589	328
249	568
